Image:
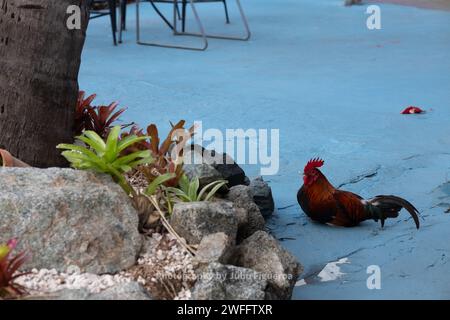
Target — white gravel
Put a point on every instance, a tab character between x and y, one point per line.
48	281
164	260
167	262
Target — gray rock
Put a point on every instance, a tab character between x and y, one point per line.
227	167
195	220
216	247
125	291
148	245
242	197
262	195
67	217
261	252
225	282
210	165
205	173
242	217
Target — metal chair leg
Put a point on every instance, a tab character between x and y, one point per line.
225	37
227	18
122	18
124	14
183	15
161	15
112	13
173	27
178	12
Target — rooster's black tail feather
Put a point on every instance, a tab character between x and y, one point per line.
389	207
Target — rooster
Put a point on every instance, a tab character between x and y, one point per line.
324	203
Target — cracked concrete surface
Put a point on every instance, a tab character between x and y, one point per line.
413	262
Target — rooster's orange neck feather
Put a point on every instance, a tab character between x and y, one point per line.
321	188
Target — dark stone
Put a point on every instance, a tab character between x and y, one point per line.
262	195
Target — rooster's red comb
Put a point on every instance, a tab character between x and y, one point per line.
313	163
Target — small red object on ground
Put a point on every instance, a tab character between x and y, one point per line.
412	110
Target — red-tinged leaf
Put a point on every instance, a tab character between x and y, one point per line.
17	262
82	103
152	132
21	274
87	102
178	173
106	111
114	117
168	141
138	146
95	120
103	113
15	290
412	110
183	142
137	131
98	119
112	106
3	277
8	269
171	167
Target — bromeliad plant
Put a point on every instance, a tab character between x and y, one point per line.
95	118
168	154
106	157
8	270
82	117
189	190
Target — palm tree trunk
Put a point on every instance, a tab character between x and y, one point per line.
39	64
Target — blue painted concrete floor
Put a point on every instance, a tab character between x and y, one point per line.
334	89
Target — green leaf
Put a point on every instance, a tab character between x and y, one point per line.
184	183
124	168
128	141
111	152
169	202
106	157
207	187
136	163
215	189
81	149
157	182
131	157
89	156
179	193
4	251
96	141
76	156
193	189
92	144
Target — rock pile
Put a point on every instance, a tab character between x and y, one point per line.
83	234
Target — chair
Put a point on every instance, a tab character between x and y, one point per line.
98	11
201	33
